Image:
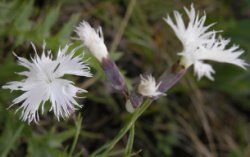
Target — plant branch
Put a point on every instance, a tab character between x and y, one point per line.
109	146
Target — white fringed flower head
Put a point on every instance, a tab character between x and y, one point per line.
44	82
148	87
199	44
92	39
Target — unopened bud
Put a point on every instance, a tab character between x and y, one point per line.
94	41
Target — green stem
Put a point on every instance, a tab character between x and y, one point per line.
130	142
123	131
78	129
12	141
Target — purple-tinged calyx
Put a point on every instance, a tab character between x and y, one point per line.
170	77
135	99
113	74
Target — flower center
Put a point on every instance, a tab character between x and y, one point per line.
50	77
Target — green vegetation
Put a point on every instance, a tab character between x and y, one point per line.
196	118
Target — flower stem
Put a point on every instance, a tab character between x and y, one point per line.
78	129
109	146
130	142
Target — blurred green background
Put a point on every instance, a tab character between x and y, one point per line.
196	118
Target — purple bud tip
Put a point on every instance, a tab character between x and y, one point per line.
135	99
113	74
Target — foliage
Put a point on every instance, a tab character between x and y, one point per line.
171	126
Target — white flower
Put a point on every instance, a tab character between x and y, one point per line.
148	87
199	44
44	82
92	39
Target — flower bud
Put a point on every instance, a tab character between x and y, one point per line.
94	41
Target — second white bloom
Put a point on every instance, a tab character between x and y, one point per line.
200	45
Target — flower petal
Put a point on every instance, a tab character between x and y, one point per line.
68	64
202	69
62	94
92	39
31	100
219	52
148	87
195	33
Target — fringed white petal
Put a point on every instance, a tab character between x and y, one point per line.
148	87
219	52
195	33
92	39
31	100
15	85
202	69
62	94
68	64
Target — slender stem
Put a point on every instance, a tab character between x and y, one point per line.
130	142
109	146
12	141
78	129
